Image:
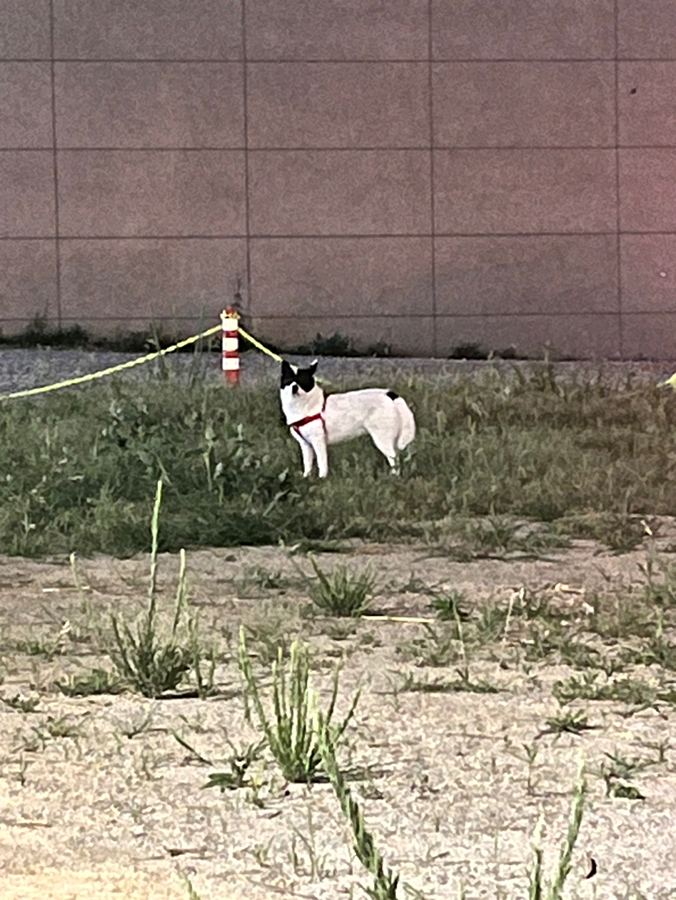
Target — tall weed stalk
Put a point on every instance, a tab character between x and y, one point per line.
151	663
291	733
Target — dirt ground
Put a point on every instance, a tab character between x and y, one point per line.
113	805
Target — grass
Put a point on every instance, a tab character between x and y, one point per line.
341	593
151	663
80	466
97	681
290	734
554	890
523	462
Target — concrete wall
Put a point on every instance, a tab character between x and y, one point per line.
421	172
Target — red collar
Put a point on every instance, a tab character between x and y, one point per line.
320	415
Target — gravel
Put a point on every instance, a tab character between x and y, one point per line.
22	369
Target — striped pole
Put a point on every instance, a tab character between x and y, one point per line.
230	321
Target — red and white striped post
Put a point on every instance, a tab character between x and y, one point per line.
230	322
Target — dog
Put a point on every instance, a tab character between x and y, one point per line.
317	419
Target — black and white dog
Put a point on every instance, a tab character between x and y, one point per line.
317	419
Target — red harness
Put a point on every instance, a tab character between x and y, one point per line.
299	424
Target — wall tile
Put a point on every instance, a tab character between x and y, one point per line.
345	276
141	279
27	193
25	104
151	193
577	336
648	273
646	28
339	192
406	336
337	29
28	287
338	104
150	104
552	274
153	29
646	103
648	190
503	191
24	29
649	335
479	104
523	29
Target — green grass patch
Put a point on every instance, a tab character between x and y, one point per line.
80	466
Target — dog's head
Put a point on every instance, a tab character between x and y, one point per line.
296	379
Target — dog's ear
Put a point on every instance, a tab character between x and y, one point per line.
288	374
312	368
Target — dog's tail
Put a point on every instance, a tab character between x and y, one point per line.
406	421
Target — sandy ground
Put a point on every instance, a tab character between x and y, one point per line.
116	808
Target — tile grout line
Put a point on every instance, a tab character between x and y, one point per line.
130	60
55	166
245	123
618	244
349	236
432	208
459	148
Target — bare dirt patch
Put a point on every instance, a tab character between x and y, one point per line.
99	799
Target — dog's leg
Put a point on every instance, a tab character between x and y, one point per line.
308	455
322	453
386	447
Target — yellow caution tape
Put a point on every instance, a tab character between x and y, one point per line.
252	340
128	365
137	362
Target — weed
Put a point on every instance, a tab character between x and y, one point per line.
291	736
257	578
240	762
617	773
270	636
437	686
192	893
335	345
39	647
97	681
530	754
571	721
438	648
151	664
660	747
78	467
660	580
22	704
385	881
554	891
57	728
624	690
139	724
316	869
341	593
449	606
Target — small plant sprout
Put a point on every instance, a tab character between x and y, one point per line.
291	735
341	593
537	890
150	663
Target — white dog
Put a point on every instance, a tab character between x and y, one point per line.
317	420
